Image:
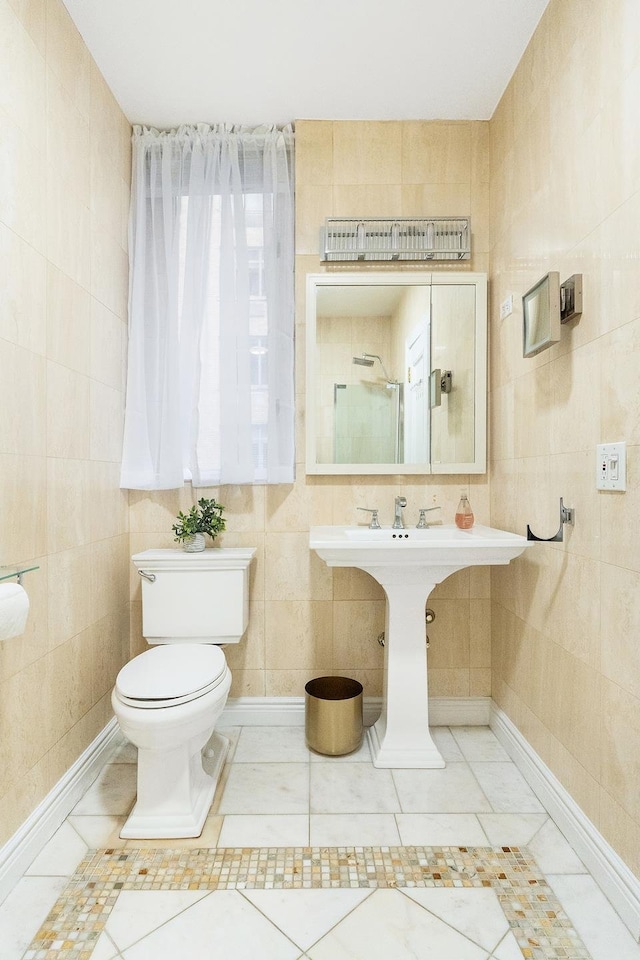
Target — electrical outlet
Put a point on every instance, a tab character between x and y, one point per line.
611	466
506	307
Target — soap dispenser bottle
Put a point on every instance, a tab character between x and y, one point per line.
464	513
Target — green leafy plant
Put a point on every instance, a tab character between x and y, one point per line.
206	517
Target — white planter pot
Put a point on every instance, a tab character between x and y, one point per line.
194	544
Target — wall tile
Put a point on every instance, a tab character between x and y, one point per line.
22	77
314	151
436	152
67	56
22	401
356	627
32	15
620	762
67	413
298	635
23	505
23	293
23	195
67	504
367	152
68	322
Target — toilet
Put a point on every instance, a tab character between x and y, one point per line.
167	700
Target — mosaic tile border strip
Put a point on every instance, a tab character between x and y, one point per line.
539	924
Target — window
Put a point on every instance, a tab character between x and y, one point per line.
210	382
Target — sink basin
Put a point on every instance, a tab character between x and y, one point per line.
408	564
438	546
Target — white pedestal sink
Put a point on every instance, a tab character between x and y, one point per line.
408	564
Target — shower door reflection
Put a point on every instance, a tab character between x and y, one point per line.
368	421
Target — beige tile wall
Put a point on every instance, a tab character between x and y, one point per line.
565	182
65	169
307	620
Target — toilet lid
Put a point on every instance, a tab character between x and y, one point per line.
177	672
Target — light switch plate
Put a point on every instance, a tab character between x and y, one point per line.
611	466
506	307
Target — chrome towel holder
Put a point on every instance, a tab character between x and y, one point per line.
567	515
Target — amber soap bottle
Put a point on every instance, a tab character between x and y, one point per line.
464	513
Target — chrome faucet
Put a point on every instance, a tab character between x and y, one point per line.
400	503
423	523
374	523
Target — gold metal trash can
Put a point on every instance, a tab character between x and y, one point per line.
333	715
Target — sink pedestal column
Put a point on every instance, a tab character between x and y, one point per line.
400	737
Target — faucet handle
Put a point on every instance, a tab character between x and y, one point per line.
375	524
422	520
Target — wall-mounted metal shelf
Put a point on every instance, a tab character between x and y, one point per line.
18	570
408	238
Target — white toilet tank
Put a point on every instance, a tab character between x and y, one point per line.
195	597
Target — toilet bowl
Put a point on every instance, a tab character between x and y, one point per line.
167	700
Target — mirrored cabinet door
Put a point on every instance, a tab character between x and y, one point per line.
396	373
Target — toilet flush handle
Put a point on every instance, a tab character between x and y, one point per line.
151	577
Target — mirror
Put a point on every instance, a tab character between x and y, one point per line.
396	373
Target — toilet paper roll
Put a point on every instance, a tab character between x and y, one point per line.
14	609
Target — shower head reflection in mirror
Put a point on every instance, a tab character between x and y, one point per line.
366	360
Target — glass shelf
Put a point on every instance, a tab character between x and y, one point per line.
6	573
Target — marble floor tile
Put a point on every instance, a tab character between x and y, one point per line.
305	916
98	831
60	856
105	948
508	949
113	792
511	829
351	788
140	912
390	925
506	788
553	852
602	931
361	755
353	829
441	829
446	743
265	830
453	789
260	788
271	745
223	924
479	743
125	753
24	910
475	913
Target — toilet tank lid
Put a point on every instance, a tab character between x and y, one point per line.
171	671
219	558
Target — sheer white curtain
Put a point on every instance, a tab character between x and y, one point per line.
210	386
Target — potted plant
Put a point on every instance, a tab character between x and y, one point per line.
205	518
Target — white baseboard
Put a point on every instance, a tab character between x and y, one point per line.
19	852
617	882
283	711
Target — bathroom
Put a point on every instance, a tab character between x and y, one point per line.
551	182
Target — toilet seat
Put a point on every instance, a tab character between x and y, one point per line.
168	676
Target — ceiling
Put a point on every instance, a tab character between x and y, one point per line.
250	61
